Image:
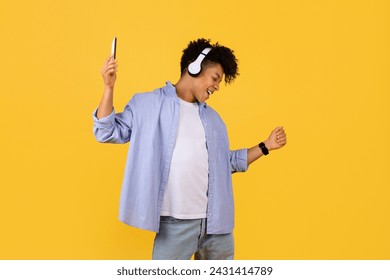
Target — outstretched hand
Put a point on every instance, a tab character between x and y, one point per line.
277	139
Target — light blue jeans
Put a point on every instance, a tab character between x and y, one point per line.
180	239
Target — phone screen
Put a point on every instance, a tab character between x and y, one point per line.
113	48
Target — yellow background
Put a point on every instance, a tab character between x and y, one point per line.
319	68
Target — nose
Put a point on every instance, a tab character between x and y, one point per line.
216	87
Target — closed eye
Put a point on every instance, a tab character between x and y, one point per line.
217	77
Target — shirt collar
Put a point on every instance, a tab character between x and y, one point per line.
171	91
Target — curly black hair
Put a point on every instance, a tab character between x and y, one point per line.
218	54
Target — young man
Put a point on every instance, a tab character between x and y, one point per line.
177	180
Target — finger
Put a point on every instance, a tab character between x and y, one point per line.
110	67
281	144
108	60
105	67
111	71
280	135
111	60
279	131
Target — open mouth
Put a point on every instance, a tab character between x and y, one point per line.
209	92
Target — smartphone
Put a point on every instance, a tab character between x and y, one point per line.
113	48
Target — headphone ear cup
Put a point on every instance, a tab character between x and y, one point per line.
195	67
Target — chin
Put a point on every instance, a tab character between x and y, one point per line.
202	99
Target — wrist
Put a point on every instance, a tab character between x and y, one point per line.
108	89
267	143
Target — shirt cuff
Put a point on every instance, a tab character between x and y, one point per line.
105	122
240	160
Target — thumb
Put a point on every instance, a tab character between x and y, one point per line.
278	128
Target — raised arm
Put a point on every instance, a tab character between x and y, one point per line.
110	127
109	70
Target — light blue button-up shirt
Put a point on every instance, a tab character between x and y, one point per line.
150	122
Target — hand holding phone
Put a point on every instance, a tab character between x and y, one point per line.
110	67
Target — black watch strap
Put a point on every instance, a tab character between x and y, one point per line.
263	148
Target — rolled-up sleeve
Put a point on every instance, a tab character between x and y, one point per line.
114	128
239	160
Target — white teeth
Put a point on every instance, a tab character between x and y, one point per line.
209	92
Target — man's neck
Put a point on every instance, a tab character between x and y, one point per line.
183	90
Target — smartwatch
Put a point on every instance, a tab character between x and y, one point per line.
263	148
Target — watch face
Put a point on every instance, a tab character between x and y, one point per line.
263	148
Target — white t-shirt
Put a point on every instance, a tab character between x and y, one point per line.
186	193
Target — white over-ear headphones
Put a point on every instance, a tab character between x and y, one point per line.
195	67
